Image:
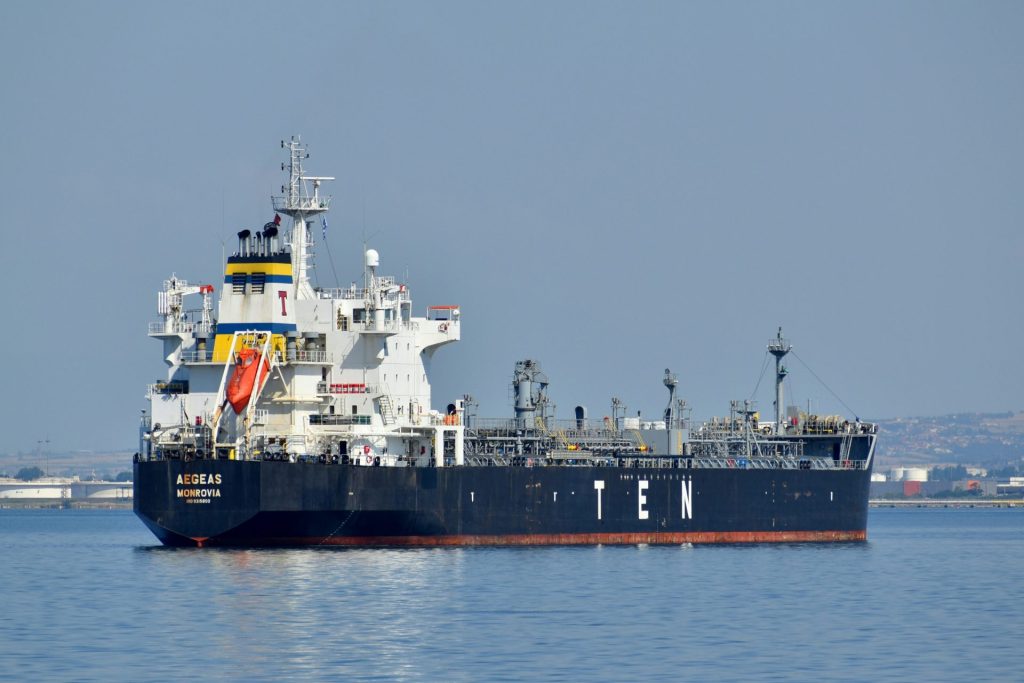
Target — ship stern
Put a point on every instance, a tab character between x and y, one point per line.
198	502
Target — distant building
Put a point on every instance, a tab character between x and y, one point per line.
909	474
52	489
928	489
982	487
1014	487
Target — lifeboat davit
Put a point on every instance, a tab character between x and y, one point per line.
243	380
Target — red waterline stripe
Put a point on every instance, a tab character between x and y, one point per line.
665	537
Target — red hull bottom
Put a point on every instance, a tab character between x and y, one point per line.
656	538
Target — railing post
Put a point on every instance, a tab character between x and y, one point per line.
439	446
460	458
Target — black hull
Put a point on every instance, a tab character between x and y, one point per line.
253	503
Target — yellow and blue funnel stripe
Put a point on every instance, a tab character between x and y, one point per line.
273	268
274	271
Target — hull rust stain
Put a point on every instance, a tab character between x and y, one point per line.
656	538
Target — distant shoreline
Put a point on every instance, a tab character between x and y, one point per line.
945	503
16	504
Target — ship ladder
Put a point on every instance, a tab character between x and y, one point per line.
640	443
846	447
558	435
539	422
387	411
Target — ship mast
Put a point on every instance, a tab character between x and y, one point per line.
779	347
671	382
296	202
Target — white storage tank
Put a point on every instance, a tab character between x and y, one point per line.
32	492
916	474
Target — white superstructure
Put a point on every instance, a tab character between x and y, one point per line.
348	368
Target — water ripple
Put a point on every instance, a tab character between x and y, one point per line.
932	596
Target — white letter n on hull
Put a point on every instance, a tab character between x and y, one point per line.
687	494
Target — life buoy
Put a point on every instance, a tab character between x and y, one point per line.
366	450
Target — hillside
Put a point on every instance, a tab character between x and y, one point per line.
988	439
985	439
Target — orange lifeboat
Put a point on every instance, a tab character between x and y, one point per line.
243	380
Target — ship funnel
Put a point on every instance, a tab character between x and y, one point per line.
270	237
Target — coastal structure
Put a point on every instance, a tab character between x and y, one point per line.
66	489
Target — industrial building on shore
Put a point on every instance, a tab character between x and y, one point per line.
63	491
916	481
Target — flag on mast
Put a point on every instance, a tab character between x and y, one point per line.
324	221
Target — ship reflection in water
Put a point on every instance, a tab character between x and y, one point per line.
333	609
596	612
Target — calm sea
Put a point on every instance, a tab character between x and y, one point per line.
935	595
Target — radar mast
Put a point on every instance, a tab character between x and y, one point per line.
296	201
779	347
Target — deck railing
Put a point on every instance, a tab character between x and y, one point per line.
178	327
339	419
321	357
285	203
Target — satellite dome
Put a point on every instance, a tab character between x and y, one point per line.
372	258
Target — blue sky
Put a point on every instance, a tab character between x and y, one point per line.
610	188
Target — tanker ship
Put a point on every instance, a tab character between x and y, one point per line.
299	415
